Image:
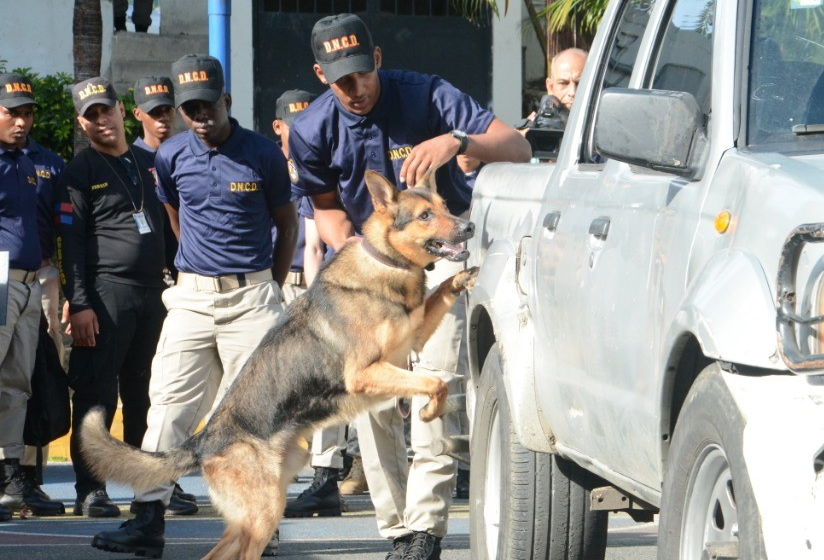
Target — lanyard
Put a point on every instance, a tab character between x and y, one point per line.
134	176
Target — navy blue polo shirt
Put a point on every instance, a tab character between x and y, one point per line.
225	198
141	143
18	210
331	148
48	167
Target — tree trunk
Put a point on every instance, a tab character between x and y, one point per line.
87	29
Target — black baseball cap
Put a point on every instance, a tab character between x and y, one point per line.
153	91
291	103
15	91
342	45
93	91
197	77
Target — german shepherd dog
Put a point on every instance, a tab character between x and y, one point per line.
336	351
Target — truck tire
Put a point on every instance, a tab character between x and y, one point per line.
525	505
707	494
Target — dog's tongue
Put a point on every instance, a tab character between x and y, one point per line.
454	252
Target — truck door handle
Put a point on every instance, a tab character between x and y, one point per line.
599	228
551	221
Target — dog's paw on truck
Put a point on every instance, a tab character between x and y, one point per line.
645	330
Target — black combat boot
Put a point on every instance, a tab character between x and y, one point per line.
119	23
142	535
423	546
5	513
18	492
322	498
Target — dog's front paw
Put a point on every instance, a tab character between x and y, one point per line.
464	280
437	402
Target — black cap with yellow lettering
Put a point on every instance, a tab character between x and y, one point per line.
197	77
15	91
342	45
291	103
93	91
153	91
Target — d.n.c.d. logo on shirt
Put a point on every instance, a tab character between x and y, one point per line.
243	186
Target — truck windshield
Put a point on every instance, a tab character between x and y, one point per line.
786	81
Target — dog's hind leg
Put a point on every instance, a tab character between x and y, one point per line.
228	547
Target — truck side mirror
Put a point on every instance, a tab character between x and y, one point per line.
655	129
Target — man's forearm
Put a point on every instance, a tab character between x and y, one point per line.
334	226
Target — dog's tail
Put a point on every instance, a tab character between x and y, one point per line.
112	460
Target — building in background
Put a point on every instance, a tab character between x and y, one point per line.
270	49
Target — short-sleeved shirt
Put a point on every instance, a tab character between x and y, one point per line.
225	197
331	148
18	210
141	143
48	166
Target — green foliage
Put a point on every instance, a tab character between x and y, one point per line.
131	124
54	115
582	15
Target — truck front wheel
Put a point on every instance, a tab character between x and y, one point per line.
708	500
525	505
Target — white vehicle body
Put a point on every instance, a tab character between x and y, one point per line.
606	288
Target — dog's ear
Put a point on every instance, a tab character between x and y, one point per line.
384	194
429	182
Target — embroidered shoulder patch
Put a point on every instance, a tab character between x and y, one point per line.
293	171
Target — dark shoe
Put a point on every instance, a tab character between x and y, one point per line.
96	504
347	466
30	473
119	23
178	491
399	547
5	513
321	498
141	28
143	535
462	485
179	506
423	546
17	492
272	548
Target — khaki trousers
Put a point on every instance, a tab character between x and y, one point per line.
206	339
417	497
18	346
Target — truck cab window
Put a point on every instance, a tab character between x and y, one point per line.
684	57
617	66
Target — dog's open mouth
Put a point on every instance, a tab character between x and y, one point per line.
449	251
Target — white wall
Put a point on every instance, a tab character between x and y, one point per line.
507	81
243	86
37	34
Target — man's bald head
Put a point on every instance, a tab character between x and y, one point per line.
565	73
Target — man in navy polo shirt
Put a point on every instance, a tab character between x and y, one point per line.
223	186
404	125
21	297
48	166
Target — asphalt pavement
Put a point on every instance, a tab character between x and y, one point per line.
353	536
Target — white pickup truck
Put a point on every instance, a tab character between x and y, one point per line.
645	332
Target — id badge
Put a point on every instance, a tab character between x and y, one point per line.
142	223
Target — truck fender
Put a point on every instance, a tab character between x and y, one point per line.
784	454
729	309
496	294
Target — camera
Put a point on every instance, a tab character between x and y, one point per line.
545	131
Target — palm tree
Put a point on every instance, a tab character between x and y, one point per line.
87	30
560	25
